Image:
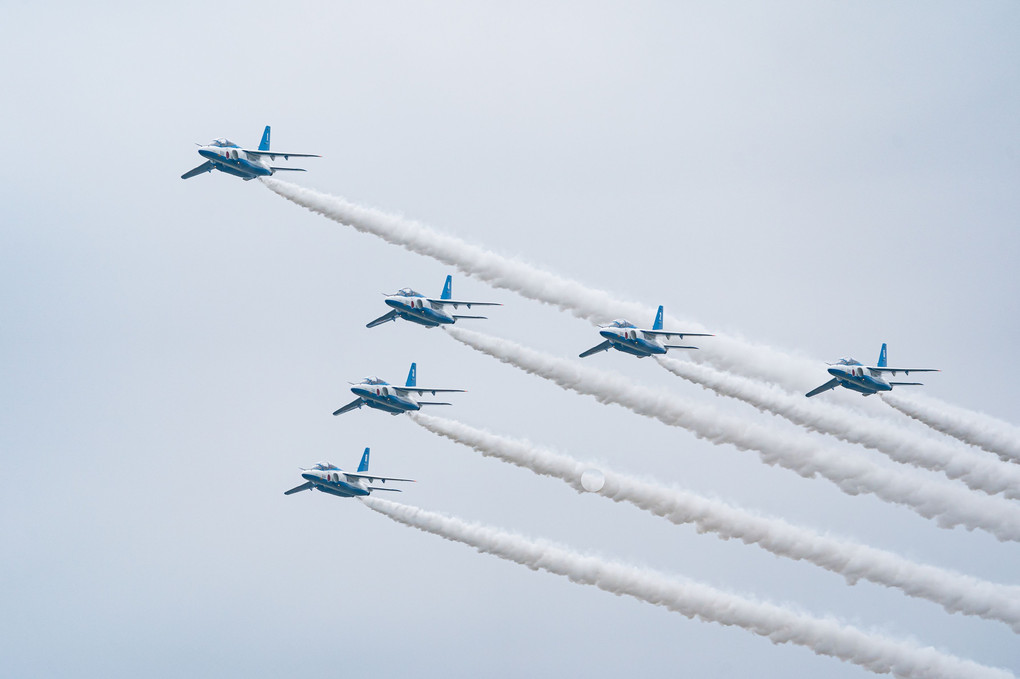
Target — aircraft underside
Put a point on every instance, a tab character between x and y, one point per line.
640	352
341	490
391	406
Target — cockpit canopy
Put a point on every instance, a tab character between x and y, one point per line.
325	467
373	380
224	143
848	361
408	292
620	323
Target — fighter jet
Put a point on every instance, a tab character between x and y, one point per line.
335	481
375	393
226	156
626	337
867	380
415	307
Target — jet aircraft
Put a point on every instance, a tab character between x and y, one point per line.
226	156
335	481
867	380
415	307
626	337
375	393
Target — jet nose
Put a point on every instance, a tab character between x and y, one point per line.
206	153
307	476
836	372
608	334
392	302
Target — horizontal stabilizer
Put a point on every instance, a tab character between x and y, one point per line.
391	316
677	346
298	489
831	384
596	349
433	403
906	384
356	403
392	490
288	169
207	166
476	317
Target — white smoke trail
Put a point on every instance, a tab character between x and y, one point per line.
949	505
824	636
976	470
953	591
978	429
728	352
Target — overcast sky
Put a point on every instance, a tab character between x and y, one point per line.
818	177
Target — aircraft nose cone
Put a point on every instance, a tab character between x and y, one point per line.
359	391
206	153
608	334
836	372
309	477
392	302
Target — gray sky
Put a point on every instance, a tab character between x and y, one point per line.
818	177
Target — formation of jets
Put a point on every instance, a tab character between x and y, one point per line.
227	157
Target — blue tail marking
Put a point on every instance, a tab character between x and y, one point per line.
412	379
881	357
658	320
447	289
264	144
363	467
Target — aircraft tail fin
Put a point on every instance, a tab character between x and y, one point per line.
447	289
363	467
264	144
658	320
882	361
412	376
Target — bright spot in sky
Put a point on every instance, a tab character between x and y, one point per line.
592	480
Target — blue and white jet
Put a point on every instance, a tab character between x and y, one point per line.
417	308
852	374
375	393
331	479
628	338
226	156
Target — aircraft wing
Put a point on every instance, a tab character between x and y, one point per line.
831	384
596	349
297	489
681	335
207	166
457	302
905	371
356	403
273	154
906	384
382	319
421	390
372	478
